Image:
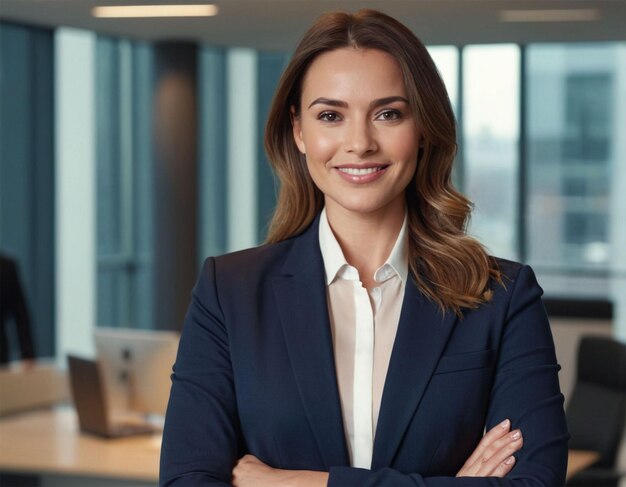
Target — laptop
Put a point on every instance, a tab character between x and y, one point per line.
88	392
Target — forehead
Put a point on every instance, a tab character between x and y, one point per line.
346	72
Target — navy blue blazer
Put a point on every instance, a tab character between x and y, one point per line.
255	374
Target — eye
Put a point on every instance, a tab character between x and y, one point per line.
328	117
389	115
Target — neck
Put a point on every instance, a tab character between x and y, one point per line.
366	239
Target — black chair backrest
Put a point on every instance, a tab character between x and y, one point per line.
597	409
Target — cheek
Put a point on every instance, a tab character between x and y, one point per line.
406	149
320	145
317	174
407	146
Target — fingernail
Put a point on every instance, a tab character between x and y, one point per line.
517	435
505	424
510	460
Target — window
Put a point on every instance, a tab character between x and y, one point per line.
587	117
27	172
491	88
447	60
125	274
576	178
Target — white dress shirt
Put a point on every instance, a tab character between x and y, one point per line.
363	325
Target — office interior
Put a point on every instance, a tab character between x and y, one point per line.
132	149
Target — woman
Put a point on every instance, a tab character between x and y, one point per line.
371	341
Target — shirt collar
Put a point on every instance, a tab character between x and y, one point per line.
335	262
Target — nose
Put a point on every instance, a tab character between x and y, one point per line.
359	138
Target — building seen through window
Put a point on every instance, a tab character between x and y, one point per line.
576	161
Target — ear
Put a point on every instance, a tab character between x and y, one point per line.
296	126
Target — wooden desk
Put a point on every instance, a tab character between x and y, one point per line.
578	460
49	443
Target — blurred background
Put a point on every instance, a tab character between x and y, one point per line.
132	148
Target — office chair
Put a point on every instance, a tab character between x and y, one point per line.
597	409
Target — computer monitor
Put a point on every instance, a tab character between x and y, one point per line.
137	365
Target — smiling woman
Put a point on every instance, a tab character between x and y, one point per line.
370	342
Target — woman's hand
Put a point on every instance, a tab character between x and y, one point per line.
252	472
493	457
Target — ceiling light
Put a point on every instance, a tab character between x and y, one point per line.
569	15
135	11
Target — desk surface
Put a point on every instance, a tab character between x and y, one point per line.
49	442
578	460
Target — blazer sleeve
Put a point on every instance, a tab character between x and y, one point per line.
525	390
201	436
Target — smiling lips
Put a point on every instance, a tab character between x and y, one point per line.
361	174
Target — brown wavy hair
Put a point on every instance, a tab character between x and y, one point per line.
450	267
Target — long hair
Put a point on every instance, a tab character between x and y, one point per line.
449	267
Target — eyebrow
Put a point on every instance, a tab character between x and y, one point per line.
373	104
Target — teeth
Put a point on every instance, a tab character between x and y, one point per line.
359	172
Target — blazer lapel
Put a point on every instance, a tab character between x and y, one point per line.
420	340
303	309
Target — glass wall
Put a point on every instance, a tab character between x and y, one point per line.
27	175
125	183
447	60
576	160
491	131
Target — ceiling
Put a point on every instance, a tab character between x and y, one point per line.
277	24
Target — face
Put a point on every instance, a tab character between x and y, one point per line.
357	131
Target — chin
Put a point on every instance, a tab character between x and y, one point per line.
360	206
